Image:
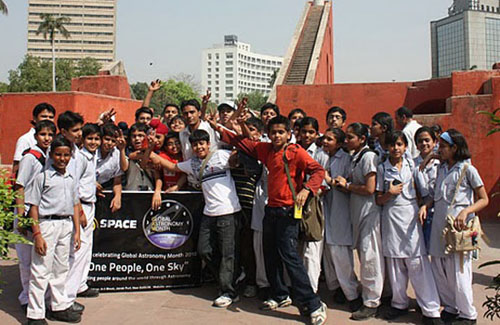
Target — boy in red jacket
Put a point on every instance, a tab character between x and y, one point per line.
281	229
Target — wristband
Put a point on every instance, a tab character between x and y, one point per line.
36	233
347	185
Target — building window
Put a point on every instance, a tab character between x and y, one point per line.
229	75
451	48
229	69
229	95
229	88
209	70
229	62
229	82
209	76
229	55
209	56
492	41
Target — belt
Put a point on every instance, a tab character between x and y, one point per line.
54	217
86	202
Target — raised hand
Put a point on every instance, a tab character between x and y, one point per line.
121	143
155	85
106	116
205	99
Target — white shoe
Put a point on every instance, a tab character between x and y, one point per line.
318	317
272	304
224	301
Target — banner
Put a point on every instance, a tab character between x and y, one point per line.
140	249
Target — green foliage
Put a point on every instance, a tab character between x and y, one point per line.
492	303
171	91
3	8
274	76
256	99
34	74
4	87
7	216
51	24
494	120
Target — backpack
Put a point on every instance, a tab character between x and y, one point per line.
313	221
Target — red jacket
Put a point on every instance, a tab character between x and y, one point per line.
299	162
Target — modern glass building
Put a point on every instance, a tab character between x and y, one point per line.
232	68
469	38
92	28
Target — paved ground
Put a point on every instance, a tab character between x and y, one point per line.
193	306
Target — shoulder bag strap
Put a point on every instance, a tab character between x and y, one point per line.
287	171
204	164
460	179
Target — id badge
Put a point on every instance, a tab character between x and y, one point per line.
297	212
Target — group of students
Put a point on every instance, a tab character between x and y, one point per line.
385	194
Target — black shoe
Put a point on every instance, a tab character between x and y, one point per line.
89	293
448	317
364	313
387	300
356	304
464	321
431	321
66	316
24	308
37	322
339	296
77	307
394	313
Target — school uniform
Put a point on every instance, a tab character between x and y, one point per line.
425	181
54	194
24	142
80	260
313	250
403	242
29	167
337	256
454	280
108	168
138	179
365	217
409	131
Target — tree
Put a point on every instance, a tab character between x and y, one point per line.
189	80
274	76
34	74
4	87
256	99
3	8
171	91
49	26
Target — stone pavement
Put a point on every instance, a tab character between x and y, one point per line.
193	306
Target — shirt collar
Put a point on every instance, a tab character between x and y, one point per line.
40	150
87	154
52	172
312	149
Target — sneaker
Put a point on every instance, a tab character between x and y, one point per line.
271	304
356	304
37	322
224	301
77	307
463	321
250	291
339	296
89	293
431	321
364	313
394	313
318	317
448	317
66	316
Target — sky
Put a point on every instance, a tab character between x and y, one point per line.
381	40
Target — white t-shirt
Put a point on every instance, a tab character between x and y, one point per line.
217	184
409	130
26	141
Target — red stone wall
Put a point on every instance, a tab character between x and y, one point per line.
16	110
116	86
325	70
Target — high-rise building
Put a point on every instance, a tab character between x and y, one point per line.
469	38
232	68
92	28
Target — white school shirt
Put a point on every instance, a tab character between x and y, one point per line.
24	142
318	154
446	183
338	226
53	193
29	167
425	180
187	151
402	235
87	183
409	130
109	167
217	184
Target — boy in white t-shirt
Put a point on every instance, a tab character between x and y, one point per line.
217	228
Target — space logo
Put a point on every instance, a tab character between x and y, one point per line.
168	227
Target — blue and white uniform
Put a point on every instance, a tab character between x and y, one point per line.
337	256
403	241
454	281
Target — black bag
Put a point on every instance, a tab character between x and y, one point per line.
313	221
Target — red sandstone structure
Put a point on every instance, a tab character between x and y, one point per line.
306	80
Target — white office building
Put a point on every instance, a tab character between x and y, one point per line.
92	28
469	38
232	68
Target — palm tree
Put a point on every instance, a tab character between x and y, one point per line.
3	8
49	26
